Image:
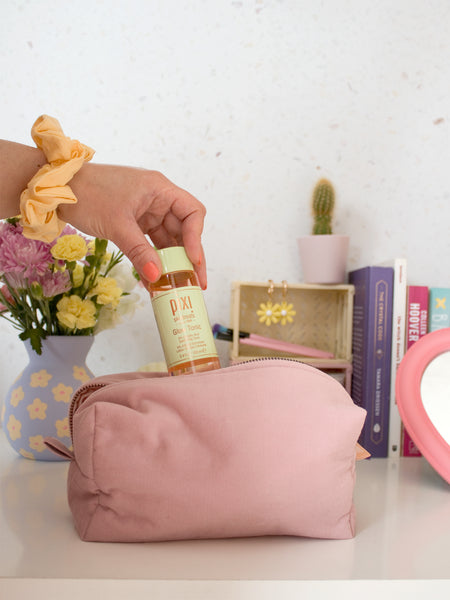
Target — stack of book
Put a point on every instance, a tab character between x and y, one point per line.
388	317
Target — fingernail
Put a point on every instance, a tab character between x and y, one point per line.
150	272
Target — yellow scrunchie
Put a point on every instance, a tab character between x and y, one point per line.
48	188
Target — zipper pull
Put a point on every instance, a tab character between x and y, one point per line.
361	453
59	448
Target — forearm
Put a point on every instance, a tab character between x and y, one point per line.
126	205
18	164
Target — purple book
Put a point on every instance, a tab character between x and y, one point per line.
372	344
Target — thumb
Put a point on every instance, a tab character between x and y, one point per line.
136	246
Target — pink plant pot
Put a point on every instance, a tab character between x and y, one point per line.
324	258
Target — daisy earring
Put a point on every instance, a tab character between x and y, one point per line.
286	309
268	312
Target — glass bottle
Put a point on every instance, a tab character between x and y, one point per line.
181	316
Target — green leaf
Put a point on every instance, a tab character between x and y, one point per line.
35	336
100	246
91	260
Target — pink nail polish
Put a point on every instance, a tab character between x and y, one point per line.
150	272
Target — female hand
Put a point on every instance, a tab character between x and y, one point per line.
123	204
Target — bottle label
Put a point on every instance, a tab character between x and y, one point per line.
183	325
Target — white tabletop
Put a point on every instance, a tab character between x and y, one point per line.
403	538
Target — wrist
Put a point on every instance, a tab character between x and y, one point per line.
18	164
49	187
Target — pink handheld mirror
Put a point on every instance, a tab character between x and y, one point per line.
423	397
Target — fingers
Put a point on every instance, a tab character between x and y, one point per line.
200	269
135	245
192	214
182	224
155	206
194	250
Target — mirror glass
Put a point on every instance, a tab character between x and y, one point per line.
423	397
435	393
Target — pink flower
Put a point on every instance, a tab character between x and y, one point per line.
16	280
7	294
19	254
55	283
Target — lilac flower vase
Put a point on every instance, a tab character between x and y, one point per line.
37	404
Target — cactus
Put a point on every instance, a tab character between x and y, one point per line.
322	206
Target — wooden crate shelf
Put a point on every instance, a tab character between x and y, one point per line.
323	320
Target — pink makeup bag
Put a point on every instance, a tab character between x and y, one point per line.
265	447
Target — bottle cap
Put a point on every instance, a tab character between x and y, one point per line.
174	259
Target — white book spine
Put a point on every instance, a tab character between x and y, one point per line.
398	351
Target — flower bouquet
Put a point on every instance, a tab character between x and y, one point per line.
72	286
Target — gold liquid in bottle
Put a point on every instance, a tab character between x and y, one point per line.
181	316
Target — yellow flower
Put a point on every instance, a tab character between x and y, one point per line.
80	374
268	313
37	410
62	427
37	443
75	313
40	378
286	313
69	247
14	426
78	275
62	393
26	453
17	395
106	258
107	291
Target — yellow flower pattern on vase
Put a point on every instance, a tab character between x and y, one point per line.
17	395
36	442
62	393
40	378
26	453
62	427
37	410
14	427
80	374
36	405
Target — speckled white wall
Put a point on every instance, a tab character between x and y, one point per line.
246	104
